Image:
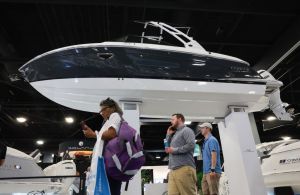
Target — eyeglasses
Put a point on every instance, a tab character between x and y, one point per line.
103	109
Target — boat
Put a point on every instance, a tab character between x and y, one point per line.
281	165
280	162
20	174
164	78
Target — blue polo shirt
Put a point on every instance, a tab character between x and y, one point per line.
211	144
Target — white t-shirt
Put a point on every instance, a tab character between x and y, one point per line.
114	121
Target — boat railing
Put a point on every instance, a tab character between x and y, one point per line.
187	41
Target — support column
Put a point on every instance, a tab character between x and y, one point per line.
132	116
242	166
254	129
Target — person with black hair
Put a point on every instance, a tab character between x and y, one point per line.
3	150
112	115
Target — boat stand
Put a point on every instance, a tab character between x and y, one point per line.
241	163
131	113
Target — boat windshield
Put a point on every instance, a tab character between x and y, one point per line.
266	148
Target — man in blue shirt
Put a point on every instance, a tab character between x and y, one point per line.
211	161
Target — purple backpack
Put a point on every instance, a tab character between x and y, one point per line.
124	155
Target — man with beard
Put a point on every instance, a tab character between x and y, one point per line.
181	143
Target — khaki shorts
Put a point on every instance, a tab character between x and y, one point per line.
210	186
182	181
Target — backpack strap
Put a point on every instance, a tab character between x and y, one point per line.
126	185
122	120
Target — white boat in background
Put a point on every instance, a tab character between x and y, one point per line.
188	78
20	165
280	164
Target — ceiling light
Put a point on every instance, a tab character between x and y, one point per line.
198	64
39	142
157	157
21	119
251	92
271	118
187	122
286	138
202	83
69	120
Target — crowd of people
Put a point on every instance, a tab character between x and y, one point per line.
180	144
182	179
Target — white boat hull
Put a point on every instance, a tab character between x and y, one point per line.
281	169
15	187
196	100
18	164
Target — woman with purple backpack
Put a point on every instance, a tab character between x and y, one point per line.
112	115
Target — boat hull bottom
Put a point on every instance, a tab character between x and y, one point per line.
159	98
